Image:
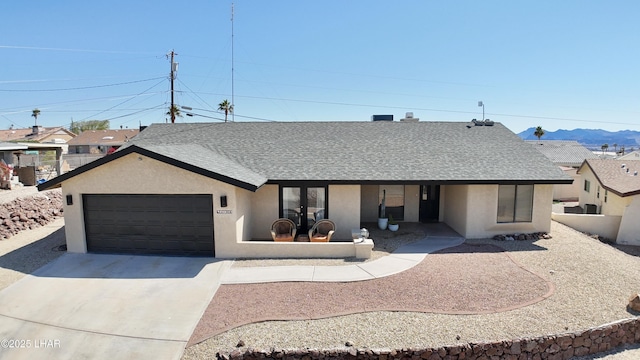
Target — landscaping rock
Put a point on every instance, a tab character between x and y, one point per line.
634	302
29	212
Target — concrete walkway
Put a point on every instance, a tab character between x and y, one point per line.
400	260
90	306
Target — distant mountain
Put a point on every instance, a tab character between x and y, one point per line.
590	138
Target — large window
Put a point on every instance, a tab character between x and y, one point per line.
515	203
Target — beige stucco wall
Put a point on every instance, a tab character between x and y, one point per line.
344	209
264	210
568	192
369	203
412	203
471	210
615	205
455	206
603	225
589	197
629	232
137	174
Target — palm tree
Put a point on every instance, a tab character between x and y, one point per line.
227	107
604	148
539	132
174	111
35	114
615	148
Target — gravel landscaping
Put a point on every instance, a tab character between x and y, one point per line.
592	283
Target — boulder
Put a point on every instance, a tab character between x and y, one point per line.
634	302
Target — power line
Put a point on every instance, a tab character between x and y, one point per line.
74	50
160	82
81	88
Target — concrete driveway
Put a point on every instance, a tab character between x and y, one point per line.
89	306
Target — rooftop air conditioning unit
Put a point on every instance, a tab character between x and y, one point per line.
381	117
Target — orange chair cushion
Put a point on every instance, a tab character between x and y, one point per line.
284	237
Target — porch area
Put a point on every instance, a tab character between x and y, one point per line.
341	250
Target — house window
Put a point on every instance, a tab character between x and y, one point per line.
587	185
394	200
515	203
598	192
606	193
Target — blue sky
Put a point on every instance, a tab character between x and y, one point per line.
557	64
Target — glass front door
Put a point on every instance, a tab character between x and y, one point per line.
304	205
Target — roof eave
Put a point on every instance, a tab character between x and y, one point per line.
57	181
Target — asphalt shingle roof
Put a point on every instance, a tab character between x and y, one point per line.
563	152
354	151
624	181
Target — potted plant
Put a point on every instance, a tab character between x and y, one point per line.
393	224
382	219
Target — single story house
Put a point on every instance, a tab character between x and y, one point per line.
568	155
39	134
611	188
215	188
634	155
100	141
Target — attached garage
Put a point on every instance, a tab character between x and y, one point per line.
149	224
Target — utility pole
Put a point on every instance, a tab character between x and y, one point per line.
174	68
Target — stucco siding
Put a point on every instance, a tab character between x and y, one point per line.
615	204
264	210
540	218
344	209
590	197
369	203
412	203
136	174
568	192
455	207
629	232
471	210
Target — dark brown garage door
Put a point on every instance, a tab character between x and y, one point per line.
149	224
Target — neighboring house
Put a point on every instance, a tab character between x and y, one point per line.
612	188
568	155
9	150
215	188
100	141
634	155
45	147
39	134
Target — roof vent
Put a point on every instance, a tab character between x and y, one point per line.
478	123
408	117
381	117
107	138
488	122
635	173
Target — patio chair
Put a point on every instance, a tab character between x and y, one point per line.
322	231
283	230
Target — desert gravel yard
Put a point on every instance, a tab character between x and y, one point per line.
590	282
